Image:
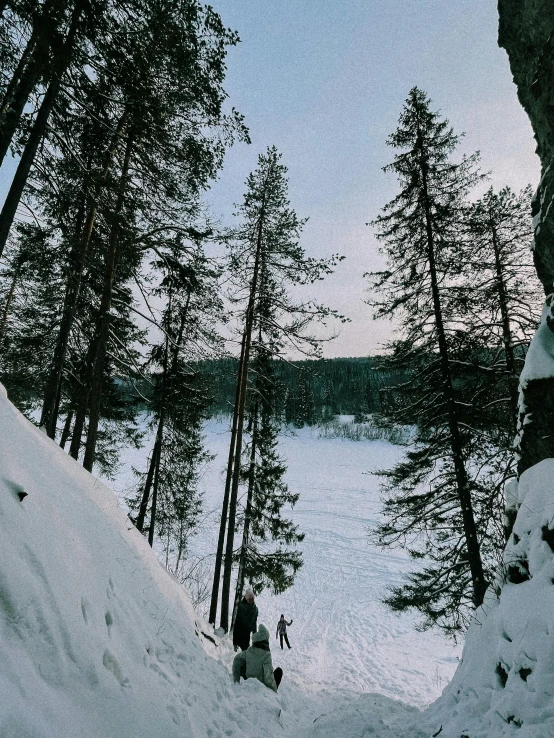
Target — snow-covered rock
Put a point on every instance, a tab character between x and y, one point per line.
505	682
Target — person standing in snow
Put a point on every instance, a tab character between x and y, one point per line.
255	663
282	631
246	621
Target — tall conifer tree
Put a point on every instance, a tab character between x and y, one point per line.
431	495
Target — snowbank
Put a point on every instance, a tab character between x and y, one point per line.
505	682
98	641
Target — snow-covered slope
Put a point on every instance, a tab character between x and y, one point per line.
98	641
505	683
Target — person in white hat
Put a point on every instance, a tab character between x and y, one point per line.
256	663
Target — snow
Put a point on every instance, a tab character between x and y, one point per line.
511	635
342	634
97	639
539	361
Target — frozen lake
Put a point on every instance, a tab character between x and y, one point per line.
342	636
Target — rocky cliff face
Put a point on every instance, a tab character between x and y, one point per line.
526	32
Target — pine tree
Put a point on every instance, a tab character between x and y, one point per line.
266	260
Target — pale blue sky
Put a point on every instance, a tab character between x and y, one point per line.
325	80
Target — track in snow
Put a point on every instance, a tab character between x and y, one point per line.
343	638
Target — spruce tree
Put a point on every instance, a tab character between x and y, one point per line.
263	524
167	494
431	494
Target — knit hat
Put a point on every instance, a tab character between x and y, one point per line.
261	635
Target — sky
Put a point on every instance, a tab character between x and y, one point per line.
325	80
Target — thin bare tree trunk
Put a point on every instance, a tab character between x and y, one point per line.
247	517
77	260
66	428
82	406
9	298
228	566
147	487
29	70
157	453
225	506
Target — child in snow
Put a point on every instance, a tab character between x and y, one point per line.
282	631
245	622
255	663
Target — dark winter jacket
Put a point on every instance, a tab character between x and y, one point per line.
255	662
246	621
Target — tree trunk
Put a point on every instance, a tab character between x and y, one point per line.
225	592
66	428
225	507
82	406
104	316
247	517
16	95
464	495
38	129
147	487
155	492
77	260
506	328
159	439
9	298
29	70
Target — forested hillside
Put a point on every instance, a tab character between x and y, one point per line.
308	392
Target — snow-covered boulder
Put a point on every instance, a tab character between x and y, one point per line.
505	682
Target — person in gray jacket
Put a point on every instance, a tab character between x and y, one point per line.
282	631
255	662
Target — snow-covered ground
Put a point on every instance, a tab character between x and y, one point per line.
342	636
98	641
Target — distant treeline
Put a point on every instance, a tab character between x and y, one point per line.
309	392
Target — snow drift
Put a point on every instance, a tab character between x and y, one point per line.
98	641
505	682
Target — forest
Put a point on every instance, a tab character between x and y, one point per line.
150	317
128	315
